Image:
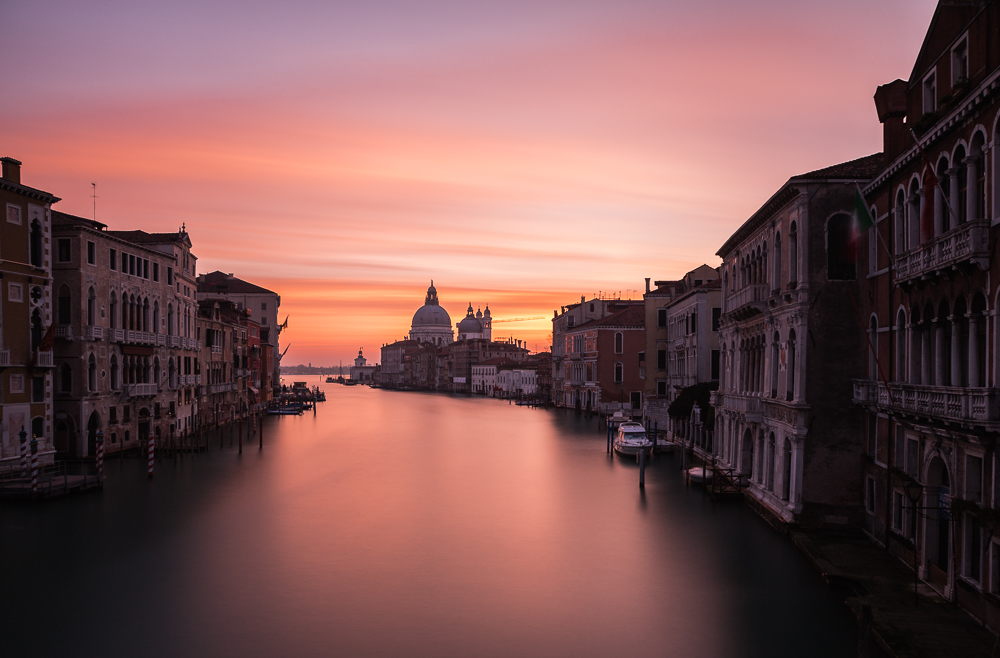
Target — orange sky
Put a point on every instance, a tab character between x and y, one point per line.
520	155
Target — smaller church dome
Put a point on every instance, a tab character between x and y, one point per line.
470	327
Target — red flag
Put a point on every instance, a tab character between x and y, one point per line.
927	214
49	339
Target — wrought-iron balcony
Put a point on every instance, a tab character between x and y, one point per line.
949	404
967	243
747	301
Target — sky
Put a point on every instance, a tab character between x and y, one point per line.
519	153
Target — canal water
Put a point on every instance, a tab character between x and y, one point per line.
407	524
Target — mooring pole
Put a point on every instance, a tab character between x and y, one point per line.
100	455
261	431
149	467
241	435
642	468
24	451
609	438
34	465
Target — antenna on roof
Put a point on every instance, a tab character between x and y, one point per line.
93	194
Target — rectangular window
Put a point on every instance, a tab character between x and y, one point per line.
124	268
263	306
13	214
897	511
661	317
994	567
715	364
716	318
873	435
570	321
170	276
974	478
661	388
145	268
973	544
912	457
127	413
131	264
960	63
113	259
870	495
38	389
112	414
661	359
900	461
15	292
63	254
156	271
930	93
694	322
91	253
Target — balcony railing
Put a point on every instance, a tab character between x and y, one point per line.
64	331
221	388
140	390
144	337
947	403
44	360
93	332
117	335
748	300
173	341
216	349
161	339
4	358
968	242
749	405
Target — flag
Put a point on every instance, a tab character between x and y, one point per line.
49	339
862	218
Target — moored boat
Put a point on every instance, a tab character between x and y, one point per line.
631	439
699	474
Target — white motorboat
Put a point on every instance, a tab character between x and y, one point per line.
631	439
699	474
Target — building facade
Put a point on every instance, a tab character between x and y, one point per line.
930	294
602	361
26	357
791	342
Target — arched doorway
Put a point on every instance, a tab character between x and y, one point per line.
937	532
93	425
63	439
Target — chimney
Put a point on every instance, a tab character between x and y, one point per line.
890	103
647	284
583	298
11	170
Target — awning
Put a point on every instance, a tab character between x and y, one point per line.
255	391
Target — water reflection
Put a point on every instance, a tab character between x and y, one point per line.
409	524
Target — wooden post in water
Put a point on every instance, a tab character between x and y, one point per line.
241	435
655	427
149	467
261	431
642	468
609	438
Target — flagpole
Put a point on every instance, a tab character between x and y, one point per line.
878	238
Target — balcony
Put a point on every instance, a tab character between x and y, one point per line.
173	341
948	404
161	339
141	390
221	388
4	358
141	337
92	332
64	331
748	405
44	360
747	301
216	349
966	244
117	335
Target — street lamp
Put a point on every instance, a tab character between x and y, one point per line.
914	491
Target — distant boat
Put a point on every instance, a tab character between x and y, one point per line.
330	380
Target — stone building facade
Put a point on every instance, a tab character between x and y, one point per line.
791	342
930	294
601	361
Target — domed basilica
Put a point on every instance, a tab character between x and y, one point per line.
431	323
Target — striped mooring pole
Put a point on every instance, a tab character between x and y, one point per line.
34	465
100	455
149	468
24	452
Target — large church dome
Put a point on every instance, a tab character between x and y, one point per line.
431	323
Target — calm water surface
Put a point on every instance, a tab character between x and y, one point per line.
407	524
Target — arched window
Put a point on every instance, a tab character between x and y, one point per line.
91	307
36	329
790	375
769	466
776	263
899	224
113	306
38	427
841	248
124	311
901	351
963	185
156	371
35	244
170	319
775	348
145	315
793	254
619	342
65	378
913	215
977	178
786	462
156	317
115	376
64	309
619	372
92	374
942	194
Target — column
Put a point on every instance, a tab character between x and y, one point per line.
800	365
922	196
940	221
956	361
939	374
974	321
913	345
953	218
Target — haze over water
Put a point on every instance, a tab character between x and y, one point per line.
408	524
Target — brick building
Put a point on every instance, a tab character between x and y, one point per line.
602	361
